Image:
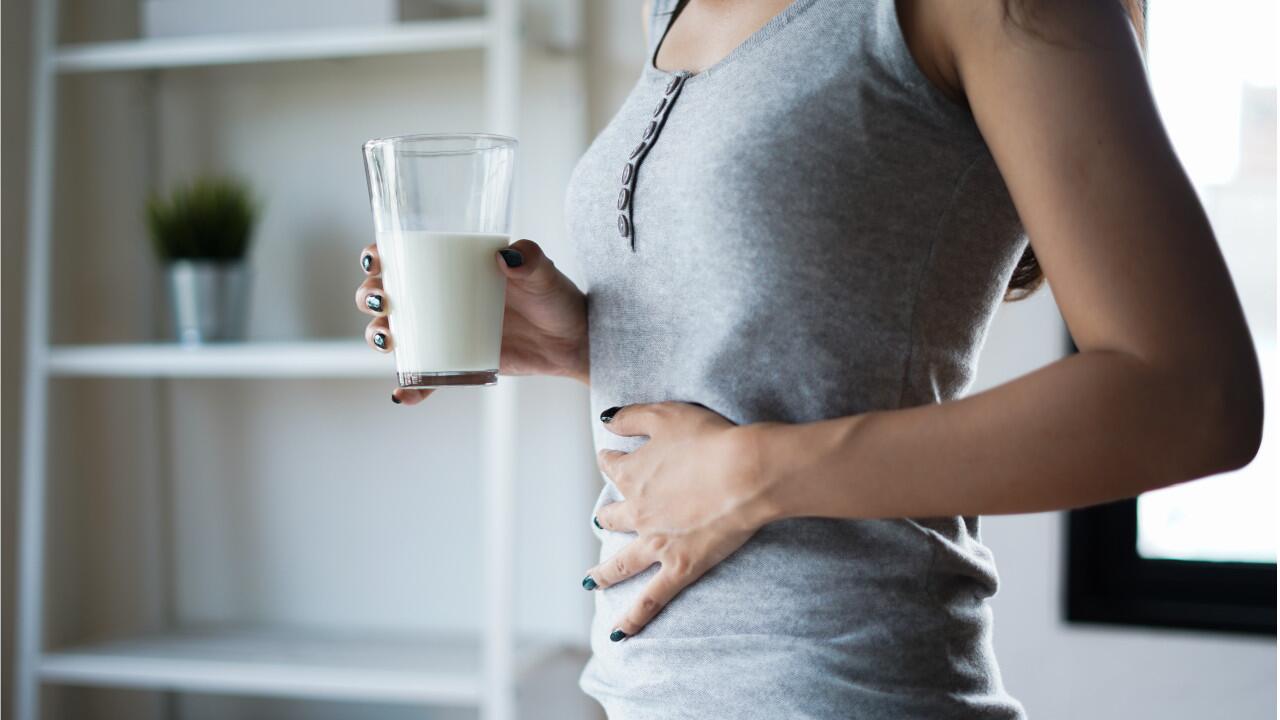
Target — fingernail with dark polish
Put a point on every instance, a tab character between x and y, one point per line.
366	262
617	635
373	302
512	258
606	417
589	583
380	340
395	399
596	520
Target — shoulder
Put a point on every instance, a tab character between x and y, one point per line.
952	41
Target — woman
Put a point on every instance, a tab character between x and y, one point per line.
794	233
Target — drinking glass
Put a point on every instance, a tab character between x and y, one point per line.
441	210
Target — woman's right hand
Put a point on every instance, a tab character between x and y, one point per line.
544	327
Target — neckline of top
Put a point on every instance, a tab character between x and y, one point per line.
762	33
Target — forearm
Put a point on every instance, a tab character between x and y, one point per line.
1093	427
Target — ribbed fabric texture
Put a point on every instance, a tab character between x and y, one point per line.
818	232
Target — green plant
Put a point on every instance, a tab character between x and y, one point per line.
208	219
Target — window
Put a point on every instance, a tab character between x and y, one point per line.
1203	554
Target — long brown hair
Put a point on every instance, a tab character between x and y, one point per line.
1027	276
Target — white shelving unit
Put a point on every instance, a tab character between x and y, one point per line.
433	669
303	359
479	670
162	53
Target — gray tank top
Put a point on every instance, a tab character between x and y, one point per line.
807	229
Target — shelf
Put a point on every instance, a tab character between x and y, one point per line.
399	668
199	50
301	359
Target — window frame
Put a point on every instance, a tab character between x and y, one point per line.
1109	582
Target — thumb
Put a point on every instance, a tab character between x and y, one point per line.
526	266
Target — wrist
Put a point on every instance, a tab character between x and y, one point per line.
567	358
762	447
580	366
803	470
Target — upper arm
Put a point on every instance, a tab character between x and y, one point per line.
1119	232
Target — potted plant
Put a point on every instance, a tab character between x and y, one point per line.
201	232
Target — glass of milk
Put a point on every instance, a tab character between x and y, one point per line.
441	209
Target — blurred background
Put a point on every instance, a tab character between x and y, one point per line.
255	531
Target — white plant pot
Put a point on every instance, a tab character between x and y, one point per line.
208	300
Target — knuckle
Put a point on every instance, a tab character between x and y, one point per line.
658	543
620	565
678	563
648	605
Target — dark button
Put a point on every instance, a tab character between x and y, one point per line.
624	227
662	105
639	149
623	196
627	172
650	129
673	84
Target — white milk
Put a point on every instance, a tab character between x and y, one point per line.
445	296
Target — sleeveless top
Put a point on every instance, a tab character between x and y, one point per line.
805	230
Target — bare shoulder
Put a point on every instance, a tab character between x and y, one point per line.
951	41
976	32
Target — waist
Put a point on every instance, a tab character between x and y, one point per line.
813	613
820	578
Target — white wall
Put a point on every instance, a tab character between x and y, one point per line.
13	165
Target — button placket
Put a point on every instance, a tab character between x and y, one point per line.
626	196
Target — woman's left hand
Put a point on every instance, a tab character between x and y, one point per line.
693	494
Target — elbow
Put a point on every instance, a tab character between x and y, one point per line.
1234	407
